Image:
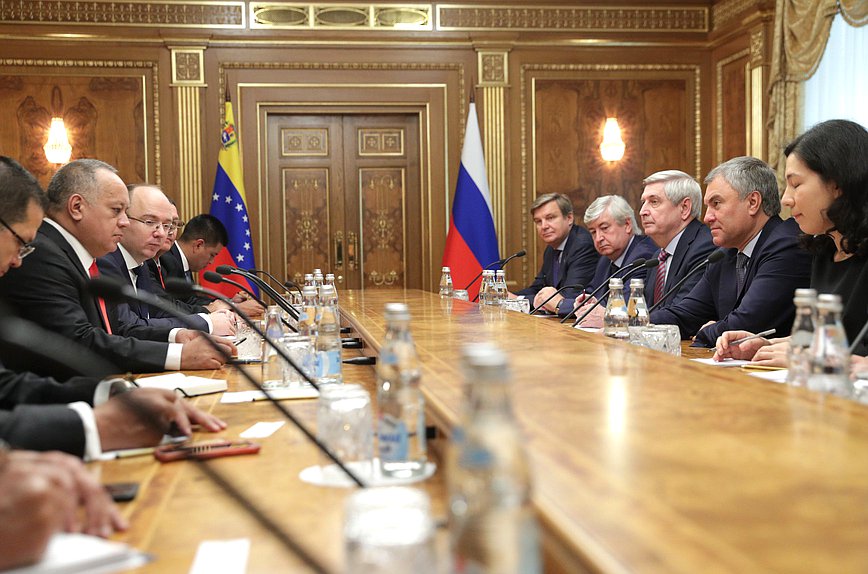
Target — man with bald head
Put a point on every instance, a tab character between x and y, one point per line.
151	216
87	217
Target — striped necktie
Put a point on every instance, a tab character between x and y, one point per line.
660	279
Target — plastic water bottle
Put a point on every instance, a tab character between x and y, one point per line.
272	363
492	525
798	355
446	286
830	357
309	315
637	308
328	340
616	320
401	426
486	289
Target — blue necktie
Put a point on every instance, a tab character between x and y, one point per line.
556	268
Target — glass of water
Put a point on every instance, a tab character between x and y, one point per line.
300	350
345	424
460	294
389	530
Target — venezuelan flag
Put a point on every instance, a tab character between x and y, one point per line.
229	205
471	244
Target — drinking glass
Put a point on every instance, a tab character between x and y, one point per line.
300	350
460	294
345	424
387	530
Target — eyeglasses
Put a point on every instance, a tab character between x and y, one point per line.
26	248
155	225
176	225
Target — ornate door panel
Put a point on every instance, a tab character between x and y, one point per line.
349	193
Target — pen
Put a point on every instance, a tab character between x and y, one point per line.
241	340
761	368
126	453
757	336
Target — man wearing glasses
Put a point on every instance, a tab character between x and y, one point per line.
87	205
151	219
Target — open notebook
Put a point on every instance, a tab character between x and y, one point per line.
74	553
188	385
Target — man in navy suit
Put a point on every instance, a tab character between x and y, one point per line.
150	215
671	207
752	287
619	242
569	257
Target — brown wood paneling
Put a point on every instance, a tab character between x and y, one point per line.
104	118
655	119
734	108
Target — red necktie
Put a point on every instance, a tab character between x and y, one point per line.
160	275
94	272
660	280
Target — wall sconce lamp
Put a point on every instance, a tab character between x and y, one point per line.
57	148
612	148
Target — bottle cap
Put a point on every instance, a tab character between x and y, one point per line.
446	270
308	291
636	283
397	312
616	283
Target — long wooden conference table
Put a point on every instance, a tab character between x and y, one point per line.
642	462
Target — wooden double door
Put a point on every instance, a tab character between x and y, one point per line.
344	196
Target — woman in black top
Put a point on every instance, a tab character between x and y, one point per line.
827	193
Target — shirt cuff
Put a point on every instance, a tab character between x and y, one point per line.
92	444
207	318
173	357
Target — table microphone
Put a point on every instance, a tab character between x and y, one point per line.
713	257
213	277
577	287
269	290
646	264
500	262
636	263
110	289
287	284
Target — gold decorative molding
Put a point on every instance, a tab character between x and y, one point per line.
153	13
718	96
757	47
188	67
114	65
527	99
462	17
304	142
380	142
335	16
727	10
493	67
189	151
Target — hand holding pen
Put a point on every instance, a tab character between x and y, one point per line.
740	344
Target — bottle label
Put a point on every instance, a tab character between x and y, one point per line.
328	363
394	439
388	356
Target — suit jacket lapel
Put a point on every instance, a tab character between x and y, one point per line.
681	250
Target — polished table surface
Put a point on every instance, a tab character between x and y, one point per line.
641	462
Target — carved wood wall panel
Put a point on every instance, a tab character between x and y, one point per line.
654	116
382	193
104	118
306	216
733	109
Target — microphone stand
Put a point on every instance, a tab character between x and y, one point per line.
646	264
604	284
274	295
108	288
216	278
501	263
577	286
285	284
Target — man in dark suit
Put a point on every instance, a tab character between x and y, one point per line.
83	416
150	215
86	219
671	207
619	242
203	238
569	257
752	287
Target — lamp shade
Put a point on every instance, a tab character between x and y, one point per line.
612	148
57	148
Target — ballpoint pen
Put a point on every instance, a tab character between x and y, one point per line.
757	336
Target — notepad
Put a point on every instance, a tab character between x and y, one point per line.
303	392
188	385
723	363
79	553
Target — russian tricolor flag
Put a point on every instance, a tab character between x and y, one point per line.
472	241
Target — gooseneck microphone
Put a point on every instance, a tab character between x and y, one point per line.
213	277
500	262
269	290
637	263
110	289
646	264
713	257
287	284
577	287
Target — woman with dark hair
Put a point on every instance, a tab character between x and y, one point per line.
827	193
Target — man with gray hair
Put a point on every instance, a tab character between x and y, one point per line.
671	207
569	257
619	241
752	287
